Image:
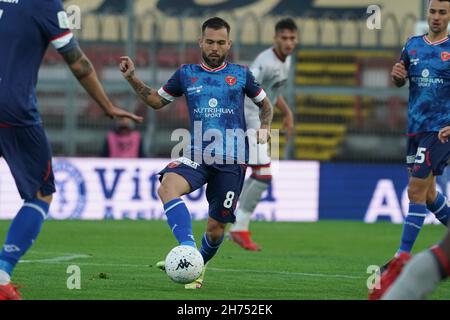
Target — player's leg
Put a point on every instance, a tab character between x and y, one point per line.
427	158
252	191
418	188
422	274
211	241
254	187
438	205
419	278
28	154
417	210
429	161
438	156
223	190
212	238
436	202
179	179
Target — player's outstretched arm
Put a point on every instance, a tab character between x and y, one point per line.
399	74
147	94
83	70
288	118
265	116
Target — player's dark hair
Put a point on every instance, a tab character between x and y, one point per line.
216	23
287	23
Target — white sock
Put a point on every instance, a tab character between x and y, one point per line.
249	199
4	278
242	221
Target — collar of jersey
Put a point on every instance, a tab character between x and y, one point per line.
425	38
278	56
205	67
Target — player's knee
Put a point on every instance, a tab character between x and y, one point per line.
215	230
166	191
45	198
416	193
431	195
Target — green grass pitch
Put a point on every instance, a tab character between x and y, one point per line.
323	260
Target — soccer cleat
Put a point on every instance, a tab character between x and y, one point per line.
161	265
394	268
9	292
384	267
197	284
244	239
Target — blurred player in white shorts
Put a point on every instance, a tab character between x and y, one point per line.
271	69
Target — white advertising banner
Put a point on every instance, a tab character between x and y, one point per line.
101	188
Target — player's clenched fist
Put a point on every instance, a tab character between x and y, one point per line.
444	133
399	72
263	136
126	67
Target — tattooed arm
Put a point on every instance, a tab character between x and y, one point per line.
148	95
83	70
265	116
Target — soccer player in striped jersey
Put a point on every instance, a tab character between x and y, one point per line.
271	68
26	30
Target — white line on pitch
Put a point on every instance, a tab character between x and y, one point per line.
57	259
323	275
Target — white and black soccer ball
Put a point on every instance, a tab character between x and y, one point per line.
184	264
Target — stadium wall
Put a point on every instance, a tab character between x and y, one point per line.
98	189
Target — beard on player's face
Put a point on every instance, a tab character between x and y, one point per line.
213	60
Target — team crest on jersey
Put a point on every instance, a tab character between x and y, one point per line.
230	80
445	56
173	164
194	80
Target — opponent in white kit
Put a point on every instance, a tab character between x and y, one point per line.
271	69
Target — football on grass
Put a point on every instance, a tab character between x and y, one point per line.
184	264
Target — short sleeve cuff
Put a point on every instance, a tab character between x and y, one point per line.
62	40
260	96
165	94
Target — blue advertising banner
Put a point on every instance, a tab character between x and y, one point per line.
368	192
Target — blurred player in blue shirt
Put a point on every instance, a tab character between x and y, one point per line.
425	62
26	30
215	92
426	270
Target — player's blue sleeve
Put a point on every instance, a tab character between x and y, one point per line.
405	55
54	24
172	89
252	88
